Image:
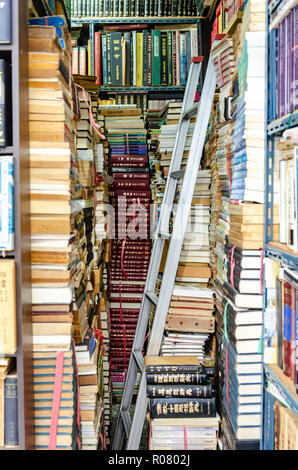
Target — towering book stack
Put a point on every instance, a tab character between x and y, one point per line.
249	133
194	260
130	250
182	404
54	237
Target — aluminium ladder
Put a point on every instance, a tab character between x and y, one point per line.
125	427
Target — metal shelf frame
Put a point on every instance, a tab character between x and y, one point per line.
284	392
138	19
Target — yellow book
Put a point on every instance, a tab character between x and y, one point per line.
139	81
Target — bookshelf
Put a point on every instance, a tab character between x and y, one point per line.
16	54
95	23
276	382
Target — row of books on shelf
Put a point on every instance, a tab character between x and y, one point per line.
158	57
131	8
283	70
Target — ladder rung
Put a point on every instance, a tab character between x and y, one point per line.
152	296
165	235
139	359
126	421
190	112
177	175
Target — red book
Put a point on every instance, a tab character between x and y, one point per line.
97	57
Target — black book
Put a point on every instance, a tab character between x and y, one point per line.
5	21
173	369
182	407
109	58
179	391
116	59
5	104
184	379
127	59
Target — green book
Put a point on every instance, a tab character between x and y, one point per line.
156	57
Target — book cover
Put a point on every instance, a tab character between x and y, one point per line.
145	58
109	58
139	59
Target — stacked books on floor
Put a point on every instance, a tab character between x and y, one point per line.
130	250
182	404
103	8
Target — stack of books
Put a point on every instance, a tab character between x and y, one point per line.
180	394
127	56
130	250
104	8
88	356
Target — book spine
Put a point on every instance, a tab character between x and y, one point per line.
96	12
183	407
145	58
132	8
5	21
149	58
97	57
101	8
83	60
179	391
176	378
160	369
121	8
88	8
104	59
156	62
11	437
109	58
188	50
170	57
174	59
140	59
294	77
126	7
116	59
106	8
137	13
5	105
183	60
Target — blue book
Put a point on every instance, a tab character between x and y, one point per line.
6	203
104	60
5	21
183	59
11	433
